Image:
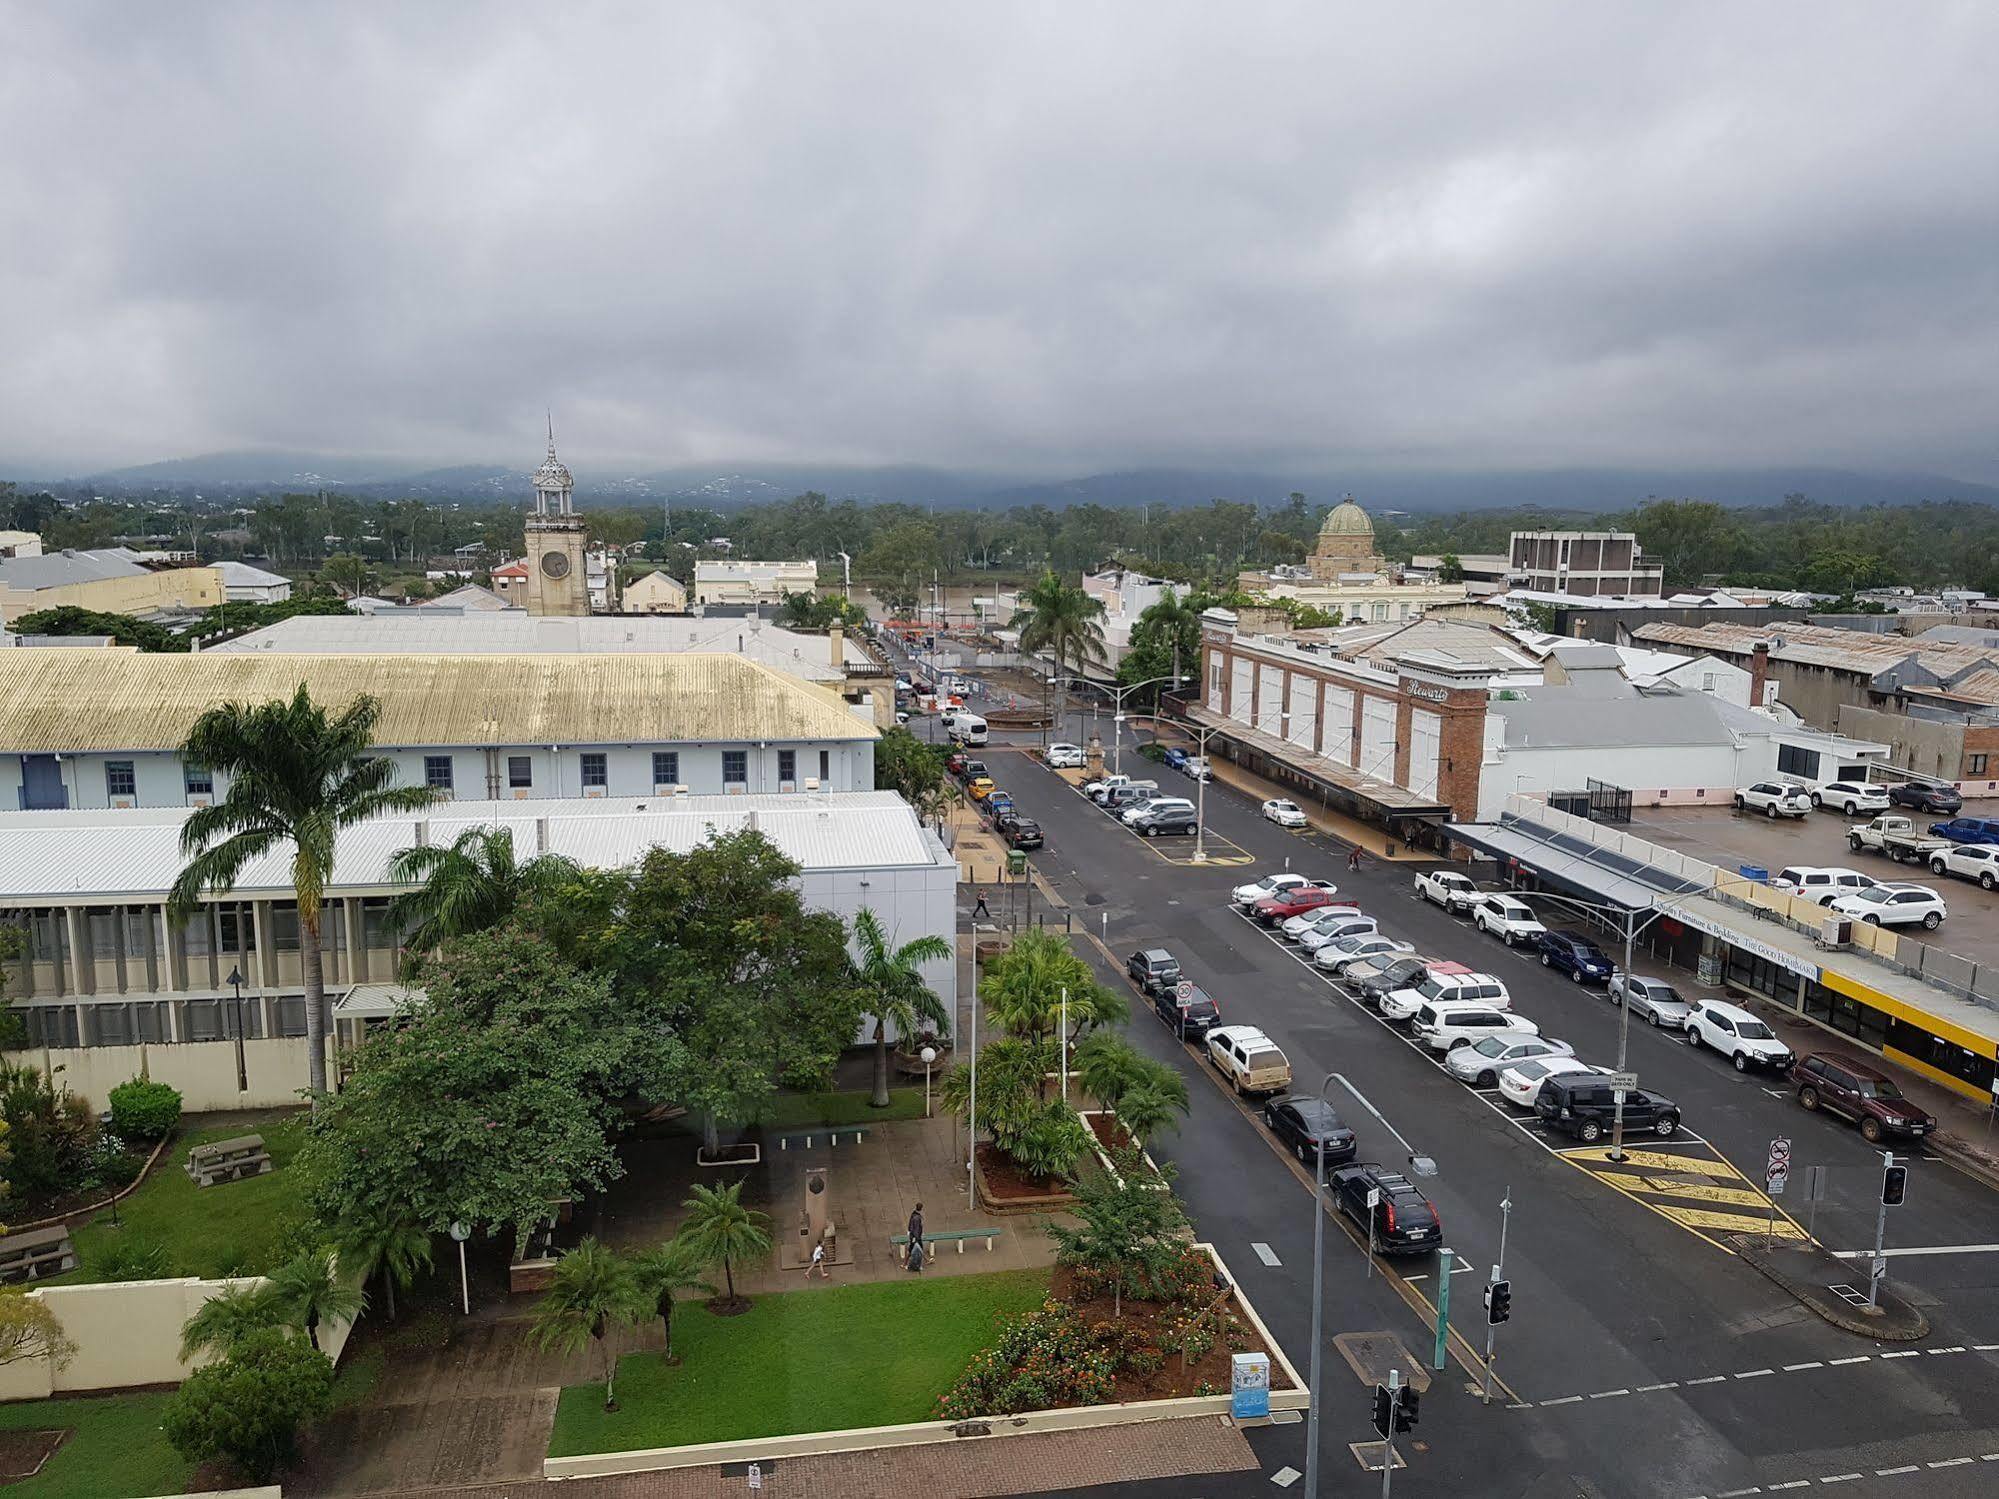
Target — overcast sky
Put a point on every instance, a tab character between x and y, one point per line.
1036	238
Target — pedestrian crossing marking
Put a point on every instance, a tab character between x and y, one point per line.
1742	1197
1727	1223
1658	1160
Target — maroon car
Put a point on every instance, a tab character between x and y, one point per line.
1840	1084
1273	909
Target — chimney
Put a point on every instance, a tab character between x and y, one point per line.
836	636
1759	673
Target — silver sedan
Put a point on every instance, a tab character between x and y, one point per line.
1652	999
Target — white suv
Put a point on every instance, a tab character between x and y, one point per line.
1810	882
1507	918
1402	1004
1445	1027
1851	797
1975	861
1894	905
1773	799
1737	1035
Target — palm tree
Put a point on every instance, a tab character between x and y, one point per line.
1024	986
468	885
664	1271
1146	1109
897	994
228	1317
1107	1066
297	776
309	1293
1063	622
385	1244
719	1231
590	1288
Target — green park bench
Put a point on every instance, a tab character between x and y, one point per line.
950	1236
807	1139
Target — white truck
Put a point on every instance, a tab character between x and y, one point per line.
1897	838
1455	892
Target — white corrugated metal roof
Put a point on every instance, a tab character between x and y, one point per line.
58	856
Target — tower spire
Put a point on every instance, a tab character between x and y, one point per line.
550	414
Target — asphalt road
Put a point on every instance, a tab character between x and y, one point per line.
1643	1359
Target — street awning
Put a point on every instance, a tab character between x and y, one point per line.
1344	780
1587	870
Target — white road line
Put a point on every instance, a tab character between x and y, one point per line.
1953	1462
1795	1483
1565	1400
1794	1368
1711	1379
1985	1347
1862	1254
1905	1353
1934	1351
1754	1488
1858	1358
1755	1373
1892	1472
1646	1389
1840	1478
1265	1253
1608	1394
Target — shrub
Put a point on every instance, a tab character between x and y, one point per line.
1044	1358
132	1257
250	1407
144	1110
108	1164
50	1132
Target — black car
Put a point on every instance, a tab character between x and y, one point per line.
1164	823
1577	956
1582	1104
1188	1009
971	770
1303	1120
1925	797
1153	969
1403	973
1404	1221
1020	832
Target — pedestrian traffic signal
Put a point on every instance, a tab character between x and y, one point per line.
1384	1408
1894	1185
1405	1413
1498	1301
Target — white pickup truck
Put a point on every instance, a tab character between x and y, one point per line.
1455	892
1897	838
1508	918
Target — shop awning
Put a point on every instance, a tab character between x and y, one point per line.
1344	780
1584	868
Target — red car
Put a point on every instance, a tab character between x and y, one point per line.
954	763
1273	909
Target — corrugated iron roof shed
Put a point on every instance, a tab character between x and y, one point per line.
54	702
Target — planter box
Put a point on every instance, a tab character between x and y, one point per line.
1053	1202
1104	1156
747	1154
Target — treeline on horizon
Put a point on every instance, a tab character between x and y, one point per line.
1797	543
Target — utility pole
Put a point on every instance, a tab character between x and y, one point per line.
1502	1304
1623	1040
972	1106
1388	1437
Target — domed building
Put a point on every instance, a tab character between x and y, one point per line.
1346	544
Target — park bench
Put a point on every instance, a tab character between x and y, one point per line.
806	1139
950	1235
38	1252
228	1160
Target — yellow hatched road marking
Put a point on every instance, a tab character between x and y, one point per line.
1742	1197
1727	1223
1658	1160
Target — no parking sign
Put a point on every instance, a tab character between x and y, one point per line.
1779	1170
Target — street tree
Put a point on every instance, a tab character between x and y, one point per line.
664	1272
296	775
1130	1228
1064	623
1029	988
913	769
385	1241
310	1293
719	1231
896	992
590	1291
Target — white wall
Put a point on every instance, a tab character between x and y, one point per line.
911	902
1643	772
203	1071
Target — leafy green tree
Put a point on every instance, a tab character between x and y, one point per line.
719	1230
29	1330
222	1323
296	776
68	619
1130	1230
1692	538
913	769
1450	569
13	1029
1040	1135
663	1273
1024	990
1165	642
471	884
591	1290
1065	623
383	1242
898	598
896	992
905	552
309	1293
250	1407
1150	1105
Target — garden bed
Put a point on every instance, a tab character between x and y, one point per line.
1107	1135
1005	1188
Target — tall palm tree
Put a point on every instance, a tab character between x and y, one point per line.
719	1231
297	776
386	1244
663	1272
1064	622
897	994
226	1318
468	885
590	1289
309	1293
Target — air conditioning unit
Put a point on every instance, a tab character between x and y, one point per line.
1836	932
664	788
522	793
197	801
124	803
736	788
812	783
593	790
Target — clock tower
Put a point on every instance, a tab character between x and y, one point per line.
558	582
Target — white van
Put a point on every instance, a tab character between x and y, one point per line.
968	729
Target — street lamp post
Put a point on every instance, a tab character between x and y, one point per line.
972	1105
461	1231
1117	696
242	1074
1419	1165
929	1055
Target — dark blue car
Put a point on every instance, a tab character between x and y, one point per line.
1176	758
1968	830
1577	956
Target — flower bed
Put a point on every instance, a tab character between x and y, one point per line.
1005	1188
1107	1135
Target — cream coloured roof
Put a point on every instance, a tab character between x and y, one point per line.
55	702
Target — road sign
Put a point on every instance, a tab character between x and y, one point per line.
1184	992
1624	1082
1373	1198
1778	1171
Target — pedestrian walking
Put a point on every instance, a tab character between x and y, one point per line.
979	912
916	1239
1353	857
819	1262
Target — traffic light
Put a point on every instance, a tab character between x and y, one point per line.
1384	1407
1498	1301
1405	1413
1894	1185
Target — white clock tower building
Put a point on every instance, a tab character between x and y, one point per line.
557	581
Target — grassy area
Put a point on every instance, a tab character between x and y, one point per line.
797	1110
819	1360
226	1229
115	1449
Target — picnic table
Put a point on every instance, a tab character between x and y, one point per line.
36	1253
228	1160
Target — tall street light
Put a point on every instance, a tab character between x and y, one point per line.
235	981
1117	696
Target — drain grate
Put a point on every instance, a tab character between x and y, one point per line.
1849	1295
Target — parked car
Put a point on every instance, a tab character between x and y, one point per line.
1402	1004
1455	892
1445	1027
1508	918
1250	1060
1284	814
1275	910
954	762
1577	956
1521	1083
1737	1035
1479	1063
1851	797
1845	1085
1021	832
1153	969
1926	796
1580	1104
1156	804
1332	927
1773	799
980	787
1157	821
970	770
1895	905
1396	973
1065	757
999	804
1188	1008
1096	790
1304	1120
1173	757
1403	1220
1121	799
1972	861
1196	767
1651	999
1968	830
1895	838
1273	884
1819	883
1345	954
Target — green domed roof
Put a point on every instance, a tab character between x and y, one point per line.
1347	519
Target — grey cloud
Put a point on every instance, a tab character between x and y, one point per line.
1034	237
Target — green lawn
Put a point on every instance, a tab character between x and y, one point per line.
115	1450
206	1231
818	1360
798	1110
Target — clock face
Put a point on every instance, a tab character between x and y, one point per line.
555	564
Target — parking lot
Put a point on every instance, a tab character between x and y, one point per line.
1731	839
